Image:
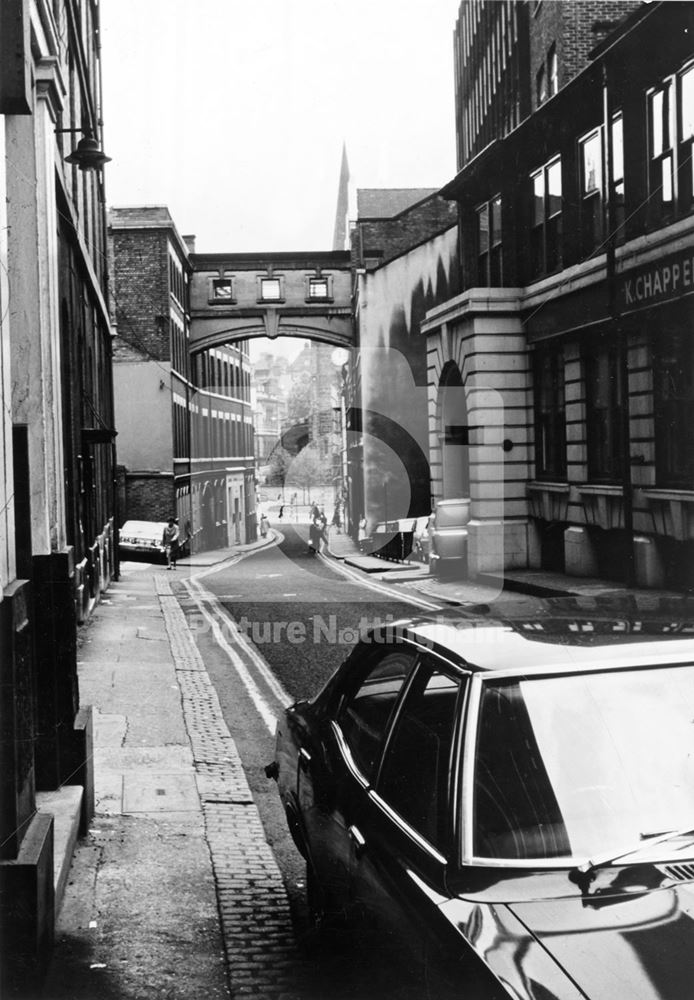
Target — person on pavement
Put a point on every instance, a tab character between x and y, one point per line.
313	536
323	529
264	525
170	542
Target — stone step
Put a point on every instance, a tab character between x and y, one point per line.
65	805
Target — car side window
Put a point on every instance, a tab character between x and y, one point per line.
414	777
365	716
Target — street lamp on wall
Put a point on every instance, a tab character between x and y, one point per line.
88	154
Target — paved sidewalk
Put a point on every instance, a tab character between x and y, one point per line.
174	891
509	586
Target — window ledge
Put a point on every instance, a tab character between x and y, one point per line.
672	512
551	486
680	496
549	501
601	489
603	505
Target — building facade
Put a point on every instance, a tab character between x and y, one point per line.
57	493
269	390
184	418
570	336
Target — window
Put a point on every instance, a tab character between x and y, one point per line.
546	229
591	191
674	408
318	288
661	129
414	778
221	290
364	718
604	413
686	124
489	252
550	415
270	289
552	71
541	86
568	766
617	192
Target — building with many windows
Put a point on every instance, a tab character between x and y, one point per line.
571	337
269	390
185	444
56	451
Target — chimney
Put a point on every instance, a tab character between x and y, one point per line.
189	242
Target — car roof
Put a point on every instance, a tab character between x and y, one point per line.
561	633
143	525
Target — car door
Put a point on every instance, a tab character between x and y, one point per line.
403	834
337	765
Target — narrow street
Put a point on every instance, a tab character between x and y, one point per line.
271	628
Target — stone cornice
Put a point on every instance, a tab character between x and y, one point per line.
474	301
50	85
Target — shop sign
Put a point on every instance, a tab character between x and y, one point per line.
668	279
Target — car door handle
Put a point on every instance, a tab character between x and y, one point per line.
304	759
357	839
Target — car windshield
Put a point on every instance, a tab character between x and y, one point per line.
569	765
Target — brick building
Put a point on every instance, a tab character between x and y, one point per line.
56	450
570	335
184	419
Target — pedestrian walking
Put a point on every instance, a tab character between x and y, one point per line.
169	540
322	529
264	525
314	536
337	518
279	516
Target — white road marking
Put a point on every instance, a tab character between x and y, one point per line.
262	707
202	597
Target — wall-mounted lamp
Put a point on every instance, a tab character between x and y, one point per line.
88	155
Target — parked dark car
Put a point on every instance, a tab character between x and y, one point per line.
507	806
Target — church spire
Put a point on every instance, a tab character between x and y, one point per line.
341	231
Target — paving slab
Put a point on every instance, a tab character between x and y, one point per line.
145	792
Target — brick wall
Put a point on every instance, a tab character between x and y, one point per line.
569	25
393	237
148	498
141	290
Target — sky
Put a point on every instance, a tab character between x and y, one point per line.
233	114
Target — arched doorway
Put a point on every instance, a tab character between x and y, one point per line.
453	434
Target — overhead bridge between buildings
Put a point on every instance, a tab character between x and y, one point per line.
240	296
